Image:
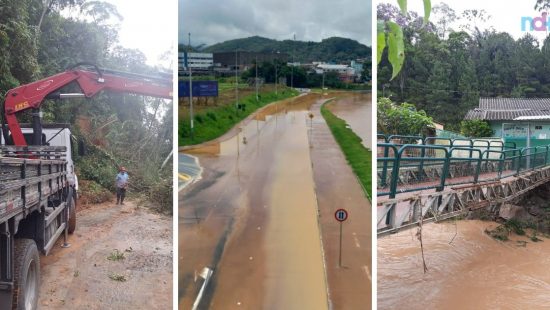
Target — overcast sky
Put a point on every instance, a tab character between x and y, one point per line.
213	21
505	14
149	26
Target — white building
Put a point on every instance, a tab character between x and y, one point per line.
340	69
197	61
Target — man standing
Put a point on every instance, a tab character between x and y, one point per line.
121	182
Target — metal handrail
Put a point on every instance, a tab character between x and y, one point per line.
512	161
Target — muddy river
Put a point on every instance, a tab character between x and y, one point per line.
467	269
356	110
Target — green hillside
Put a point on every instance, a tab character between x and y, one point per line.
333	49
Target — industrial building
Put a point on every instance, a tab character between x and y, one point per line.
196	61
244	60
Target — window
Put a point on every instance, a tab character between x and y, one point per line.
538	127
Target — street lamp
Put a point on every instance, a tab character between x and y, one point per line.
257	98
292	72
190	87
236	81
276	76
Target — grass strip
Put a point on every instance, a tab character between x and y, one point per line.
357	155
214	122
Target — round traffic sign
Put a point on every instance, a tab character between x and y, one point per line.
341	215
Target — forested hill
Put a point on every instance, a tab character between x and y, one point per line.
332	49
446	70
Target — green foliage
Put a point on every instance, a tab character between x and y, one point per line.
476	129
333	49
116	255
91	192
98	167
394	40
117	277
515	226
302	78
500	233
218	120
447	71
357	155
401	119
396	48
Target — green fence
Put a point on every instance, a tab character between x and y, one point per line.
411	163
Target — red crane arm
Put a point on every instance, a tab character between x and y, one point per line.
32	95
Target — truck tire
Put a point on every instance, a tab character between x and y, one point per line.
72	216
27	275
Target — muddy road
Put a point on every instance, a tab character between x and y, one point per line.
254	217
350	285
83	277
467	269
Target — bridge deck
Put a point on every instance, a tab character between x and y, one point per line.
407	209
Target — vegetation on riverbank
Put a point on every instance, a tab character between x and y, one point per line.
357	155
213	122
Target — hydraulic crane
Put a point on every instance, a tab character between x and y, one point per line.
91	80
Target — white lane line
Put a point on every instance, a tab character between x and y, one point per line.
357	244
366	269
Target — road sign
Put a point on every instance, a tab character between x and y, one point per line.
341	215
200	89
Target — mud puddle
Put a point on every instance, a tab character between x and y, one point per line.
82	276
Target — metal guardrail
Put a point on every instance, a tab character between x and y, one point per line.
435	163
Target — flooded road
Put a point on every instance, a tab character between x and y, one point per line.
356	110
252	218
472	272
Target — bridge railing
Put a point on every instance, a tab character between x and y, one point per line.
435	163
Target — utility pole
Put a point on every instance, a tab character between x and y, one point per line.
257	98
323	87
236	81
276	77
292	72
190	87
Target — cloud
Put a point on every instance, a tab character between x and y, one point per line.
213	21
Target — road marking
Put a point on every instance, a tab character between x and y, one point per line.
366	269
205	274
184	176
357	244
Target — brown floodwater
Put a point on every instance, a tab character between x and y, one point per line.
253	217
356	110
471	271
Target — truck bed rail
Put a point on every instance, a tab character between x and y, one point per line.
26	182
33	151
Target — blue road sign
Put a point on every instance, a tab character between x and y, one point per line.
200	89
341	215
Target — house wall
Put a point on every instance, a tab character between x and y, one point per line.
540	132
